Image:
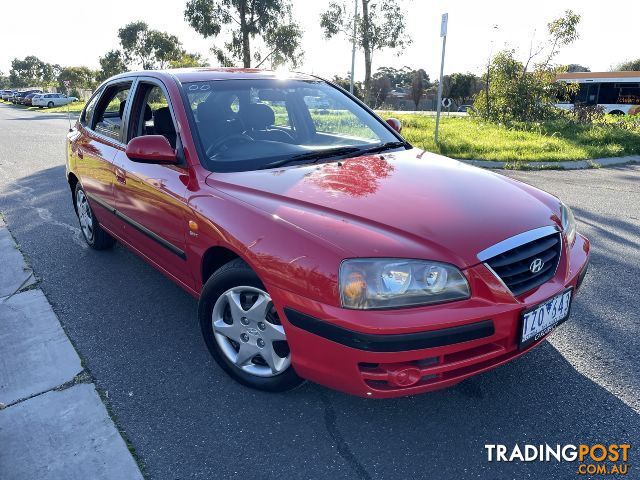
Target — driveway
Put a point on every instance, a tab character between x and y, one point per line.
139	337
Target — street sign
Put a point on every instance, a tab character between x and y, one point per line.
443	24
443	34
446	102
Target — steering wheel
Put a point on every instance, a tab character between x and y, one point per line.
235	138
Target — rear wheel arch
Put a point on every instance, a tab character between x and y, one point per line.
73	181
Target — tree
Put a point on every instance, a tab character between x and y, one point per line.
380	25
148	48
380	88
31	71
418	87
78	78
186	59
4	81
345	83
513	92
630	65
461	87
401	77
575	67
112	63
266	22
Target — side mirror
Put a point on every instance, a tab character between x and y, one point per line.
395	124
151	149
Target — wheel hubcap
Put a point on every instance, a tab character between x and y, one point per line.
84	215
248	331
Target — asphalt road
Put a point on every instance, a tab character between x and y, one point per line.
138	335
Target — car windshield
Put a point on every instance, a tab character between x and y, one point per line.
264	123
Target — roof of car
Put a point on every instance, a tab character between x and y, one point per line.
204	74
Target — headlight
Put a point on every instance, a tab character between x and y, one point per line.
568	224
371	283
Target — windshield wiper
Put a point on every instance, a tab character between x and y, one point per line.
382	148
315	156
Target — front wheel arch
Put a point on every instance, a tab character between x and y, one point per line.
237	273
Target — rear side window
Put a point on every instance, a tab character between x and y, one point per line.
87	114
110	110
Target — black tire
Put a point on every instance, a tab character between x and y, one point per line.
98	239
234	274
50	104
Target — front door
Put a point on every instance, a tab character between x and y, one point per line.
150	198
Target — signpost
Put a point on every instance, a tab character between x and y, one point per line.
353	49
443	34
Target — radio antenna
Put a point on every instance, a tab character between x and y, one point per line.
66	84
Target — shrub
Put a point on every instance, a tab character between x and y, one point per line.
587	114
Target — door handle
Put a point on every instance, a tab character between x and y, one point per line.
121	176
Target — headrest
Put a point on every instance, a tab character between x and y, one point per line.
260	116
147	111
215	110
148	114
162	121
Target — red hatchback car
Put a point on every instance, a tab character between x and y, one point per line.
321	245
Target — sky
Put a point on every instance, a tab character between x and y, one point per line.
77	32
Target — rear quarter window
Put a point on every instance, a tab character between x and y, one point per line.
87	115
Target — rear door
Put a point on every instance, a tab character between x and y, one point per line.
102	137
150	198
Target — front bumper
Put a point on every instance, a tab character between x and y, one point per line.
390	353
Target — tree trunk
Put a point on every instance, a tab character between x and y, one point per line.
366	46
244	29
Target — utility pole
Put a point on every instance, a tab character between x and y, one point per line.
353	48
443	34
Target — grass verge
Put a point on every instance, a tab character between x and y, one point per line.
553	141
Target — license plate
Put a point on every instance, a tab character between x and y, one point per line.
544	318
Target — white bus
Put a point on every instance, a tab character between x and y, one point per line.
617	92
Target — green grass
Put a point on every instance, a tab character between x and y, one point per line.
75	107
558	140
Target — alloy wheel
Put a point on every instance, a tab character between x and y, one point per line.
248	331
84	215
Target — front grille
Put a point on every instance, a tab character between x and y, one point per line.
514	266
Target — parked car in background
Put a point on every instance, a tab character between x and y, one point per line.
8	94
466	108
20	96
320	247
52	100
28	98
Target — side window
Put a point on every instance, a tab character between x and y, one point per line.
110	109
87	114
151	114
